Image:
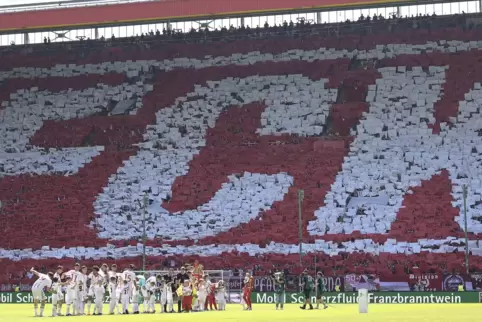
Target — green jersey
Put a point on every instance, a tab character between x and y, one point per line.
320	287
307	283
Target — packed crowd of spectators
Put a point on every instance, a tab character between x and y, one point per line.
301	28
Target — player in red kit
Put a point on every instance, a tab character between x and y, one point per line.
248	287
211	297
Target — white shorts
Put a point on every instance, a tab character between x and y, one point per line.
81	295
125	297
38	294
60	296
220	299
70	296
118	293
114	299
98	292
56	298
166	298
144	292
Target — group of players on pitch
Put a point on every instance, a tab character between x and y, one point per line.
194	291
78	290
310	285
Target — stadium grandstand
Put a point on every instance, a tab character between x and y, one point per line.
344	136
29	21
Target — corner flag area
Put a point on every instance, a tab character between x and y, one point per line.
267	313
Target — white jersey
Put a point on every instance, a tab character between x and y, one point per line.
89	278
96	281
220	292
82	282
104	276
112	289
117	278
129	276
58	276
166	290
120	281
151	288
126	291
202	289
75	278
113	274
56	288
150	280
42	282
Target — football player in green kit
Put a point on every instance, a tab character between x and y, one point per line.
320	289
307	286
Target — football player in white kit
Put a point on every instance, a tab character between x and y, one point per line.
136	293
166	296
82	291
44	281
151	290
94	278
55	289
129	284
90	292
125	296
101	274
202	294
73	277
98	290
118	277
221	296
58	296
104	273
113	294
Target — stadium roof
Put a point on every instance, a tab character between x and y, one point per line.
81	13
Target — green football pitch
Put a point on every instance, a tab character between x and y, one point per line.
267	313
